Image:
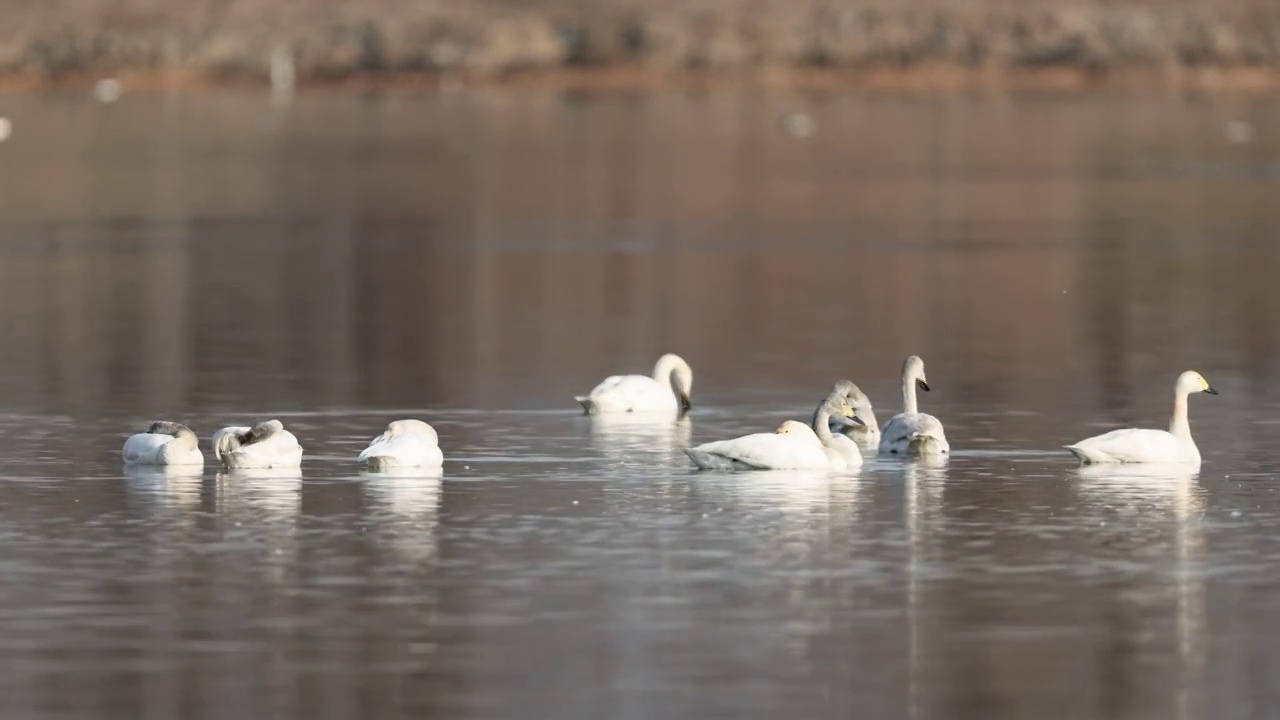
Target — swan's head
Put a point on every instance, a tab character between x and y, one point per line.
851	392
1193	382
913	369
163	427
673	369
413	427
792	427
263	430
838	407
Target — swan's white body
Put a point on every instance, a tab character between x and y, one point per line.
266	445
405	444
912	432
1134	445
867	434
793	447
666	392
164	443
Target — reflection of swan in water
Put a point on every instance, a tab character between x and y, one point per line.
263	504
272	492
405	506
788	491
1130	477
924	480
175	486
1151	497
620	435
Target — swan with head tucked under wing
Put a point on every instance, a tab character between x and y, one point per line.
912	432
865	432
1136	445
668	391
794	446
265	445
405	444
164	443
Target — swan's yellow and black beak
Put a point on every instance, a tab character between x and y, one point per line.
1209	389
685	403
922	385
851	421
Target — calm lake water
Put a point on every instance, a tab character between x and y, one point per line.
476	258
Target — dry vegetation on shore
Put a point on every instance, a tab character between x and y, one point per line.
43	40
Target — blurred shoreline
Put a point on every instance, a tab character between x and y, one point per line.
623	79
915	44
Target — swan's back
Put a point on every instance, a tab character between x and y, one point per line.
628	393
406	443
1134	445
914	434
144	448
797	448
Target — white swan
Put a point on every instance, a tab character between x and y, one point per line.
164	443
406	443
912	432
866	434
1133	445
835	411
667	391
265	445
793	447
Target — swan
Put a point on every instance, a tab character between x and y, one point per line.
867	434
793	447
835	411
265	445
1133	445
912	432
164	443
667	391
406	443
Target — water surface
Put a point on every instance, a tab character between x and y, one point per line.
475	259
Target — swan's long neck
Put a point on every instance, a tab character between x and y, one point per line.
867	415
676	374
909	405
822	424
1179	426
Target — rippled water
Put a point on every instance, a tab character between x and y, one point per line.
474	259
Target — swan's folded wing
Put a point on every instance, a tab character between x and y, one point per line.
1129	445
144	446
769	451
625	393
406	450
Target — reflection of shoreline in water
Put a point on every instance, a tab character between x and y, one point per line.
405	506
1173	489
618	436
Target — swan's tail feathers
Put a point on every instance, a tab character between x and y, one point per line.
588	405
702	459
922	444
1080	454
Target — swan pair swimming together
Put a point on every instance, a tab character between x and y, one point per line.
404	444
911	432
